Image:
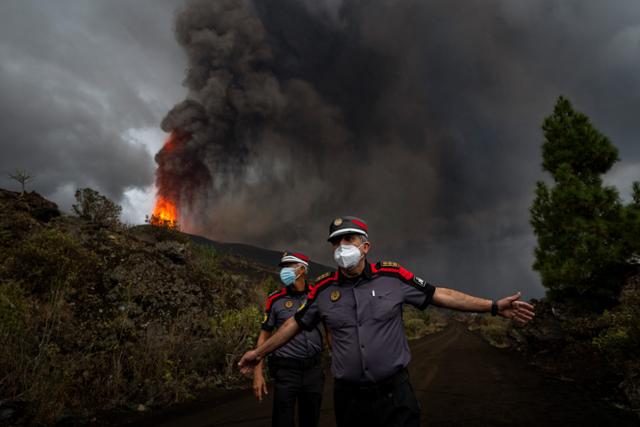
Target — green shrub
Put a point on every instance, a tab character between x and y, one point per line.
419	323
494	330
49	260
414	327
620	340
13	308
270	284
206	259
96	208
234	332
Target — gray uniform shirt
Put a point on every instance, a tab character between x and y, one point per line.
280	306
364	316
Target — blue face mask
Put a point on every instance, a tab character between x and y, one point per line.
288	275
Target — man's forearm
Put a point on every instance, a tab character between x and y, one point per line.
455	300
284	333
264	335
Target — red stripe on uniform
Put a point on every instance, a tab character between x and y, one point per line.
317	286
270	300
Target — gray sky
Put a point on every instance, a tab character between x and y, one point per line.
458	92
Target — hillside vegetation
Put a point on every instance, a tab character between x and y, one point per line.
95	316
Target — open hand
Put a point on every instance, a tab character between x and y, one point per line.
248	362
259	386
512	308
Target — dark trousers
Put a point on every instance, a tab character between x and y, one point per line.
293	384
391	403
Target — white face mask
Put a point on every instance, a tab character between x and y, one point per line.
347	256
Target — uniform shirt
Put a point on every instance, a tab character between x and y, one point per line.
364	315
280	306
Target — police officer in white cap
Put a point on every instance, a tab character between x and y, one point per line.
295	366
361	304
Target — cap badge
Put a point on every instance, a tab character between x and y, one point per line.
288	304
337	222
335	296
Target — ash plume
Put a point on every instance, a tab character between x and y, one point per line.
421	118
280	132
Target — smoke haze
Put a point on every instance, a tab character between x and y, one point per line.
420	117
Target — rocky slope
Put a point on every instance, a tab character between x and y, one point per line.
96	319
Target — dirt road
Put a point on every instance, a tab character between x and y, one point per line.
460	381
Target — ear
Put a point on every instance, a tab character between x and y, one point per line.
366	246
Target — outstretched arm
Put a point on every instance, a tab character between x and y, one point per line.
509	307
284	333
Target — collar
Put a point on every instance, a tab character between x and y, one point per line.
366	274
292	291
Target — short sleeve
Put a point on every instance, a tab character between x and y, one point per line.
308	316
269	320
418	292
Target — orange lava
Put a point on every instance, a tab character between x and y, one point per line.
165	213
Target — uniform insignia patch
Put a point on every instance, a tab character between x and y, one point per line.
337	221
335	296
264	319
418	281
288	304
302	306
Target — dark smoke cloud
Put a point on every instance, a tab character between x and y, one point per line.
421	117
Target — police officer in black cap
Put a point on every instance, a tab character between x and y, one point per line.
295	367
361	305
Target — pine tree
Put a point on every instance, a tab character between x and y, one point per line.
631	227
580	255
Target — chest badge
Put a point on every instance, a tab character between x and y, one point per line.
335	296
288	304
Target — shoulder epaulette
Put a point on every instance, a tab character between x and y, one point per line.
322	277
389	264
396	270
277	291
273	296
393	269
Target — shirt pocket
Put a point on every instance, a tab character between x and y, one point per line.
340	316
383	306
